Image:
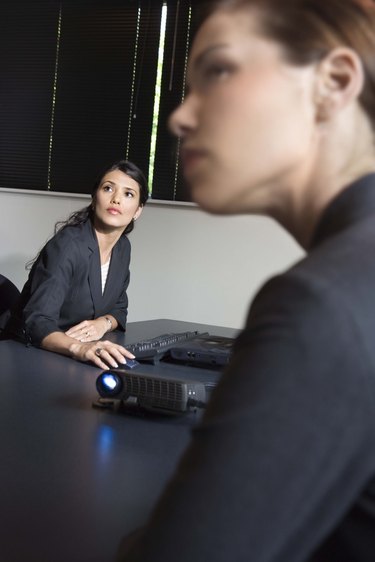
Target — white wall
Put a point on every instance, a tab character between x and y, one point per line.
186	264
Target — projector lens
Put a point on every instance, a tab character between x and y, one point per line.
108	384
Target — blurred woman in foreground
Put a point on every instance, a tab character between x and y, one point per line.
279	120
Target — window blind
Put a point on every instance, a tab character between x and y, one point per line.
77	91
27	62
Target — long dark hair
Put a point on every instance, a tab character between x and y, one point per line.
87	213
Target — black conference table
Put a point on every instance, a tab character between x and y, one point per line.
74	479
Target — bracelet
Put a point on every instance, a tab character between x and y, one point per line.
109	322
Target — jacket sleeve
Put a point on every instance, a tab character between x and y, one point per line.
50	282
270	471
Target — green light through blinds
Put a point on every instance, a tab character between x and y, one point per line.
155	118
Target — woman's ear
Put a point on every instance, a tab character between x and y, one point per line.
339	82
138	213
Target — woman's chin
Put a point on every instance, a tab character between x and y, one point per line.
209	200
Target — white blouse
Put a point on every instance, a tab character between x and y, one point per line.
105	268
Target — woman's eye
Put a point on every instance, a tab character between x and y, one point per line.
215	71
129	194
212	73
107	188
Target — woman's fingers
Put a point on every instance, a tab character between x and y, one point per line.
108	354
88	330
104	358
77	329
83	333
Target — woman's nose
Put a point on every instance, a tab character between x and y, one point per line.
115	198
180	121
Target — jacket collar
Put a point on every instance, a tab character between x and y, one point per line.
92	241
353	203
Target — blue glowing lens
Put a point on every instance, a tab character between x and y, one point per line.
109	382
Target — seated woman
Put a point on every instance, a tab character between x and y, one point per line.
76	290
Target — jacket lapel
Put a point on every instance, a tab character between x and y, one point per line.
114	278
95	281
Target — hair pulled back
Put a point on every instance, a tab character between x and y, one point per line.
308	30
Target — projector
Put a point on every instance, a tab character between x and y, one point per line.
151	392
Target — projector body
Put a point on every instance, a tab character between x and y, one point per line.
151	392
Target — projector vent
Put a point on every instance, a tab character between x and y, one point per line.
159	393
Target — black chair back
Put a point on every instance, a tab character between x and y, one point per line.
9	294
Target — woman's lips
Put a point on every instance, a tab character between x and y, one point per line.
191	158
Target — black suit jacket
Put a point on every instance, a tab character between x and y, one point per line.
64	285
282	467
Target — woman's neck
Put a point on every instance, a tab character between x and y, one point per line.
106	243
341	157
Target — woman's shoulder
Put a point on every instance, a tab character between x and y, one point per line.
80	232
70	237
75	230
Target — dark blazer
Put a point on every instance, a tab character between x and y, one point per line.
64	285
282	466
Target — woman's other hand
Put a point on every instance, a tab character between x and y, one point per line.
90	330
